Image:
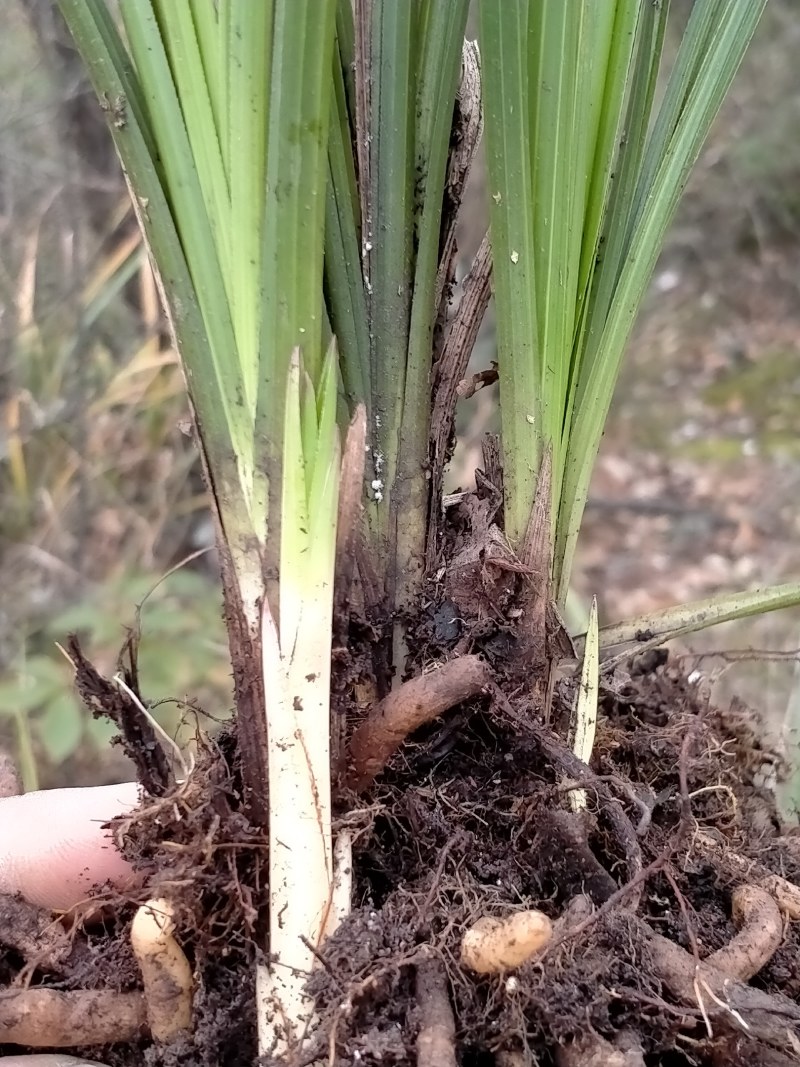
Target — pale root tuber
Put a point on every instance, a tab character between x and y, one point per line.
786	893
409	706
727	1002
166	974
760	932
50	1018
494	945
436	1041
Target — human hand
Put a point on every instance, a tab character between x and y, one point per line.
53	850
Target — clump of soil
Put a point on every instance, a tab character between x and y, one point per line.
671	894
478	824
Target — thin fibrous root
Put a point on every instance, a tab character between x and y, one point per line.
758	919
49	1018
411	705
437	1032
166	974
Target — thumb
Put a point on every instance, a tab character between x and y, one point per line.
45	1059
53	848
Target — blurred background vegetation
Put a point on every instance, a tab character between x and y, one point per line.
697	490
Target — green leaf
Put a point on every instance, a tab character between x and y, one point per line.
60	728
583	187
343	278
441	35
212	41
52	670
101	731
177	28
192	215
248	35
700	614
202	325
559	148
86	617
504	41
29	690
789	791
388	232
658	192
301	102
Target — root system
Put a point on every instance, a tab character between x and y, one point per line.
666	912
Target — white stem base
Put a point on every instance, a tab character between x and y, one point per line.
285	1015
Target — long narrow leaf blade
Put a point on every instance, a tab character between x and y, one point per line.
737	22
700	614
504	36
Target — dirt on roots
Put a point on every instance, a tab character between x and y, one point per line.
673	895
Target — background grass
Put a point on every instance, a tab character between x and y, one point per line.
697	488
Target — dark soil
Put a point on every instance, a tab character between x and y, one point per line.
471	819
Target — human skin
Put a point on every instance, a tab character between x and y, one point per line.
53	848
46	1059
53	851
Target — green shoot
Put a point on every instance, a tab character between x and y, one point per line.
221	122
585	715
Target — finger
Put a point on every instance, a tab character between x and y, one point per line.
53	848
46	1059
